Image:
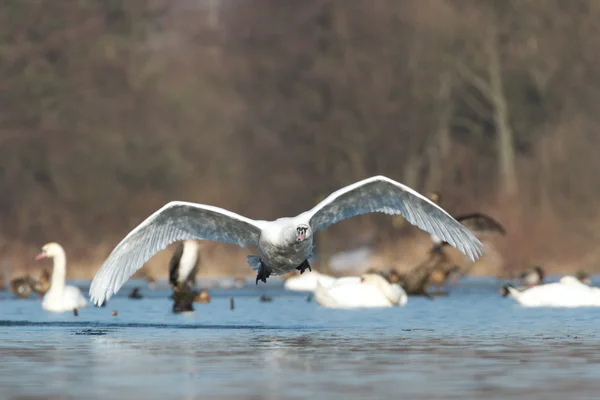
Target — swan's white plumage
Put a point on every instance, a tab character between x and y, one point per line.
307	282
60	297
382	194
181	221
568	292
353	292
175	221
67	299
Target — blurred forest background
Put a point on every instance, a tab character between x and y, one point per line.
109	109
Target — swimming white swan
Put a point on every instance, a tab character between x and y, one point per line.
308	282
568	292
284	244
370	290
60	297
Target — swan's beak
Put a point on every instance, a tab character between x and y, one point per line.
301	236
362	279
40	256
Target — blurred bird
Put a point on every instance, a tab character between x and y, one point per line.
369	290
265	299
284	244
440	277
22	287
184	262
568	292
532	276
42	285
202	297
183	267
59	297
135	294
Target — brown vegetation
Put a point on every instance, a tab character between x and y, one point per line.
110	109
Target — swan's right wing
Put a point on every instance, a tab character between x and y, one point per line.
174	222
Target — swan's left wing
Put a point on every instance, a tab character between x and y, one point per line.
381	194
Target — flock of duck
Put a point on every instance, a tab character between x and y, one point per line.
285	247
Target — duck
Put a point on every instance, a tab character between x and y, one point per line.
285	244
439	277
135	294
567	292
368	290
184	298
265	299
22	287
533	276
476	222
183	267
203	296
42	285
60	297
432	270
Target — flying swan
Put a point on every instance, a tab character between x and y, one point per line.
284	244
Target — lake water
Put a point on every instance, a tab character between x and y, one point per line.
473	344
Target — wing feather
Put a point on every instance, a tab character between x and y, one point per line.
175	221
382	194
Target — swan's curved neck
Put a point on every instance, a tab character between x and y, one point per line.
59	271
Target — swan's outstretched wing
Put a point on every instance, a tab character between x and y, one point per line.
381	194
175	221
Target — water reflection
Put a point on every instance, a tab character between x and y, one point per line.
470	345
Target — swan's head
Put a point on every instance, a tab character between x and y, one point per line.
302	232
50	250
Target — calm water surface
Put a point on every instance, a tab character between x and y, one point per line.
472	344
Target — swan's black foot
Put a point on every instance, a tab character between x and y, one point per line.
302	267
263	273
